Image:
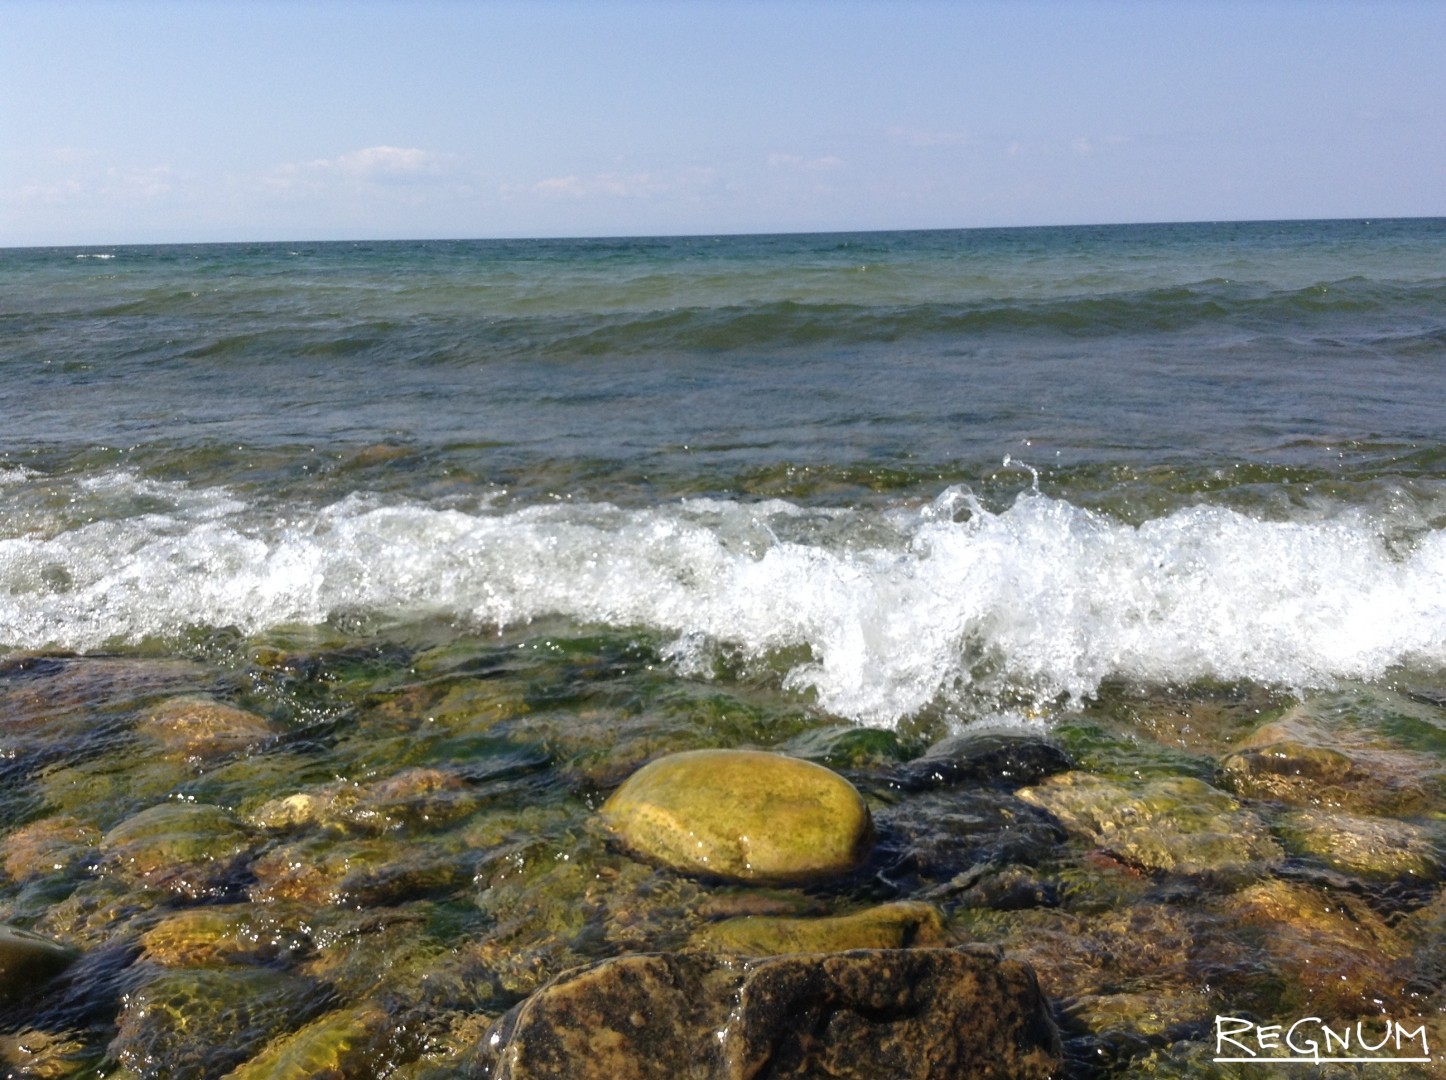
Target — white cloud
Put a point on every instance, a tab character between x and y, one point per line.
923	139
372	165
128	185
803	164
615	185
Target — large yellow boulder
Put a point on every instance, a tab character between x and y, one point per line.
744	815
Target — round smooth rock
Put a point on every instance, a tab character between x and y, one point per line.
745	815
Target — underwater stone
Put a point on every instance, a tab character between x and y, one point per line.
47	846
984	757
341	1043
28	961
1177	823
190	1025
197	728
858	1015
1369	846
184	847
1295	760
744	815
1331	954
216	936
903	925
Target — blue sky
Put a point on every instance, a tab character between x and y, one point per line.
214	120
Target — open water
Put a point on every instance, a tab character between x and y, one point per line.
956	471
339	584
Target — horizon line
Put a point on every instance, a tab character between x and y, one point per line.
1362	218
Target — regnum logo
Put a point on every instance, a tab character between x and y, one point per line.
1313	1040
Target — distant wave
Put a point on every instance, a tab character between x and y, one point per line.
275	325
895	611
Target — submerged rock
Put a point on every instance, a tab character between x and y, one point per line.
890	926
952	835
28	961
1177	823
187	848
200	729
230	934
341	1043
1371	847
1296	760
413	798
984	757
48	846
744	815
850	1016
1321	953
187	1025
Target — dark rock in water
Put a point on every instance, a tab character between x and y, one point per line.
1428	695
867	1014
940	835
28	961
1008	758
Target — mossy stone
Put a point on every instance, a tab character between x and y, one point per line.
744	815
1372	847
341	1043
1175	823
198	728
888	926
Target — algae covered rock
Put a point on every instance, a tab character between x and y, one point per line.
221	935
185	847
1297	760
744	815
341	1043
890	926
1372	847
852	1016
1177	823
187	1025
28	961
199	729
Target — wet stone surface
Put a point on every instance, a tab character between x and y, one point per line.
852	1016
743	815
332	856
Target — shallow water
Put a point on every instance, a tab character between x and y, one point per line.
476	528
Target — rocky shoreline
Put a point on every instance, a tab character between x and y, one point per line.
359	859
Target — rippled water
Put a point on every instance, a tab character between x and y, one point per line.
527	513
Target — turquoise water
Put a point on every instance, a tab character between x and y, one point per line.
1052	449
339	584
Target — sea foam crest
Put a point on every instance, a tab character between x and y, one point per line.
898	611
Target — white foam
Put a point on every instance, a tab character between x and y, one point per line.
898	610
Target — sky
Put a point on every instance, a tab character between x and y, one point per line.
222	120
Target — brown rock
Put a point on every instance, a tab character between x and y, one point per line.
1297	760
849	1016
197	728
47	846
